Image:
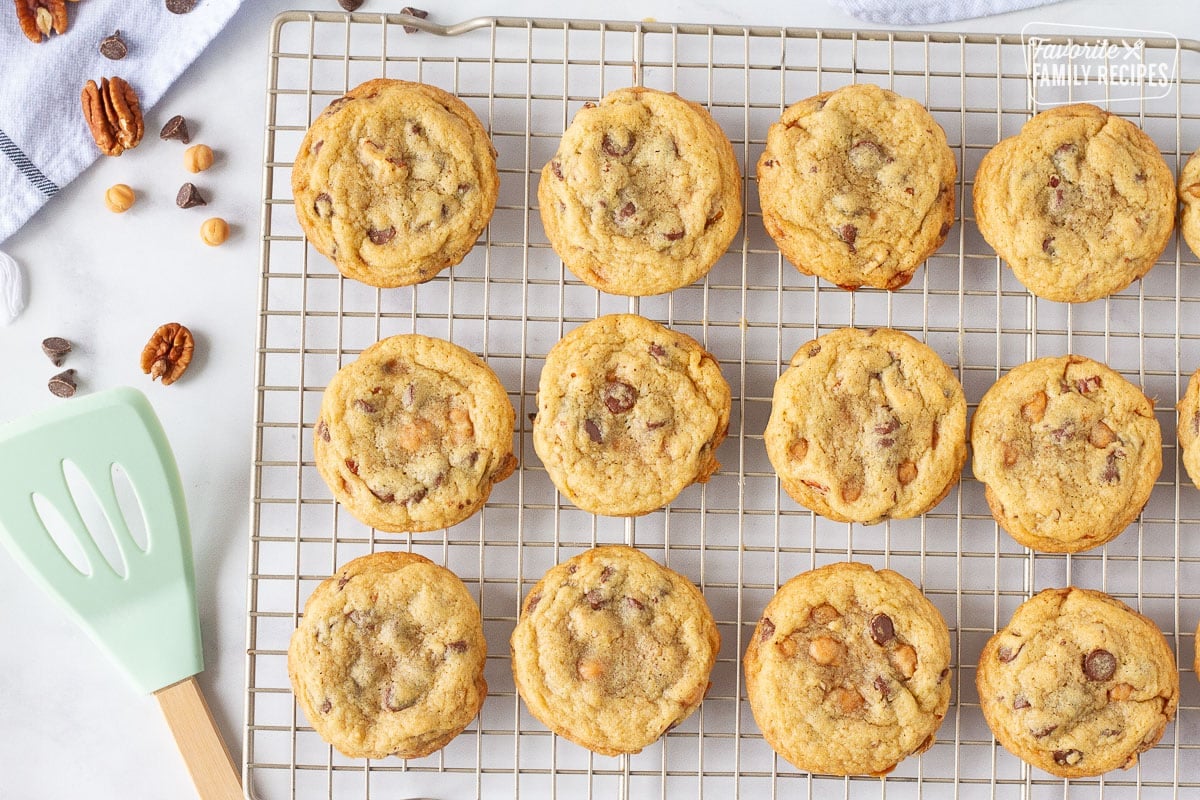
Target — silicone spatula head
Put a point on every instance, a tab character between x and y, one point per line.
143	612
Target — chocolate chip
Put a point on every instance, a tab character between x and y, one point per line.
414	12
594	599
342	581
1067	758
180	6
945	673
618	396
556	168
634	603
322	205
457	647
627	210
674	236
613	149
657	351
532	603
606	573
322	430
1020	702
381	236
766	629
1099	665
1111	472
326	707
593	431
1042	733
882	629
63	384
416	496
887	427
56	349
393	703
189	197
848	233
1054	181
113	47
883	686
1048	246
352	465
350	5
1089	384
316	148
1006	654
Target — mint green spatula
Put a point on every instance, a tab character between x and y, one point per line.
143	616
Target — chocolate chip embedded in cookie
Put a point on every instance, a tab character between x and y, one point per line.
1069	452
612	650
1077	683
629	414
1189	195
1079	204
388	658
394	182
643	195
867	425
857	186
848	670
412	435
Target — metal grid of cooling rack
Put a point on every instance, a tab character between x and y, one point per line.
738	537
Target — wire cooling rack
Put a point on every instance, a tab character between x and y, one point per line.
738	537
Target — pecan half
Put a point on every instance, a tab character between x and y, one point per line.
38	18
168	353
113	115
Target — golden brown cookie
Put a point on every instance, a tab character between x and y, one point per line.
867	425
1069	452
848	671
1188	428
643	195
1080	203
629	414
412	435
394	182
857	186
612	650
388	658
1077	683
1189	195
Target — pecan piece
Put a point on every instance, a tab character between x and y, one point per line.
113	114
40	18
168	353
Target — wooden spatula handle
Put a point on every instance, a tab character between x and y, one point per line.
213	770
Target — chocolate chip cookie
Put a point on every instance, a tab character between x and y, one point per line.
394	182
1077	683
629	413
612	650
857	186
1079	204
1068	451
1189	195
1188	428
388	658
643	195
848	671
412	435
867	425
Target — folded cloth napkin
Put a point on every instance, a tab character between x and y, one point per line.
44	141
924	12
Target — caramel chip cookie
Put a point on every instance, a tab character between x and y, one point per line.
629	414
612	650
1188	428
867	425
394	182
1079	204
1068	451
388	658
848	671
857	186
643	195
1189	194
1077	683
412	435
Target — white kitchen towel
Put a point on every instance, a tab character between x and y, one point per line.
924	12
44	141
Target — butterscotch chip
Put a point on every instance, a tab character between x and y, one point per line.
388	657
876	685
214	231
387	444
884	421
648	626
1056	684
1075	477
119	198
197	158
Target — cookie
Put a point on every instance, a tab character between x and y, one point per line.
1188	428
1189	195
388	658
1077	683
1068	451
1079	204
612	650
857	186
412	436
629	413
394	182
848	670
643	195
867	425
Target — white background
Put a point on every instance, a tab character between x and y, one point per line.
70	727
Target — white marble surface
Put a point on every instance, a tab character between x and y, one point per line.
69	725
